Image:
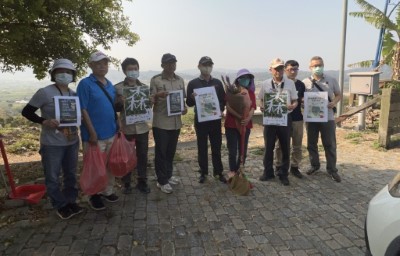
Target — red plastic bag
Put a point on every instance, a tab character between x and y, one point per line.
122	157
94	178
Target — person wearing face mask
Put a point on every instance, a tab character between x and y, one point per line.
277	84
138	131
318	81
245	82
208	130
59	146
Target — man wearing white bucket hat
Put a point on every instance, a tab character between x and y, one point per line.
59	146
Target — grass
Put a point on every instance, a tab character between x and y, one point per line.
188	119
353	135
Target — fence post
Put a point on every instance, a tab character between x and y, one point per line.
384	135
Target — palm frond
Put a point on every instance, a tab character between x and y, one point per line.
373	16
361	64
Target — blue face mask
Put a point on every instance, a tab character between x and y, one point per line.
319	71
244	81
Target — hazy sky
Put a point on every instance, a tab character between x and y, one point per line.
239	33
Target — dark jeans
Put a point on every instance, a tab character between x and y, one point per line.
54	160
165	148
233	142
209	130
271	132
328	137
142	148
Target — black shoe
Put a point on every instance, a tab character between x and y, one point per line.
111	198
202	178
221	178
127	189
284	180
65	212
295	172
75	208
267	178
312	170
335	176
143	187
96	203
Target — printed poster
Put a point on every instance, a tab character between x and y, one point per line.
316	107
137	104
275	108
207	104
68	110
175	103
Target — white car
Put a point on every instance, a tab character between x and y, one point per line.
382	226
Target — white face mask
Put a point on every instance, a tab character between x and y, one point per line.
132	74
63	78
206	70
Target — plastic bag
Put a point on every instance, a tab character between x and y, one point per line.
122	157
94	178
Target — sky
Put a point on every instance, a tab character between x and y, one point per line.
245	34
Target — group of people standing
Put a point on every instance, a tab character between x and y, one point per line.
101	101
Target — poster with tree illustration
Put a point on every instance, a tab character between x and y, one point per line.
316	107
275	108
137	104
207	104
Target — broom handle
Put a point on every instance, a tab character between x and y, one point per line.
7	167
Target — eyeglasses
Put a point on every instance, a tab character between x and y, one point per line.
292	69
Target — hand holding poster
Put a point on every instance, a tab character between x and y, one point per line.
275	108
137	104
175	103
207	104
68	110
316	106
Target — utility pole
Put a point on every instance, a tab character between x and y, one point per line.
343	54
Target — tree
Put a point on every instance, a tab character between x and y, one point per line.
34	33
391	39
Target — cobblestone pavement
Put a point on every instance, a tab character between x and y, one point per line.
312	216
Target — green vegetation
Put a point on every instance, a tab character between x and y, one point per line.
34	33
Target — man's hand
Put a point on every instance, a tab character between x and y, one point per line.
185	110
52	123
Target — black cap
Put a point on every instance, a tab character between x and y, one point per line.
168	57
205	60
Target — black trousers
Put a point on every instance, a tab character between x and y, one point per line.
142	148
271	132
165	148
210	130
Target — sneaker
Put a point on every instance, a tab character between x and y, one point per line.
220	177
335	176
165	188
284	180
312	170
267	178
202	178
143	187
111	198
64	212
173	180
296	172
75	208
96	203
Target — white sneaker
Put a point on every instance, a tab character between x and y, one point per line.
174	180
165	188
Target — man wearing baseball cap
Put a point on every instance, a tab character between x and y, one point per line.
209	129
278	84
166	127
97	96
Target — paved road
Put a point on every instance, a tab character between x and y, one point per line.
313	216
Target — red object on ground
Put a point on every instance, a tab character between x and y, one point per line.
30	193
